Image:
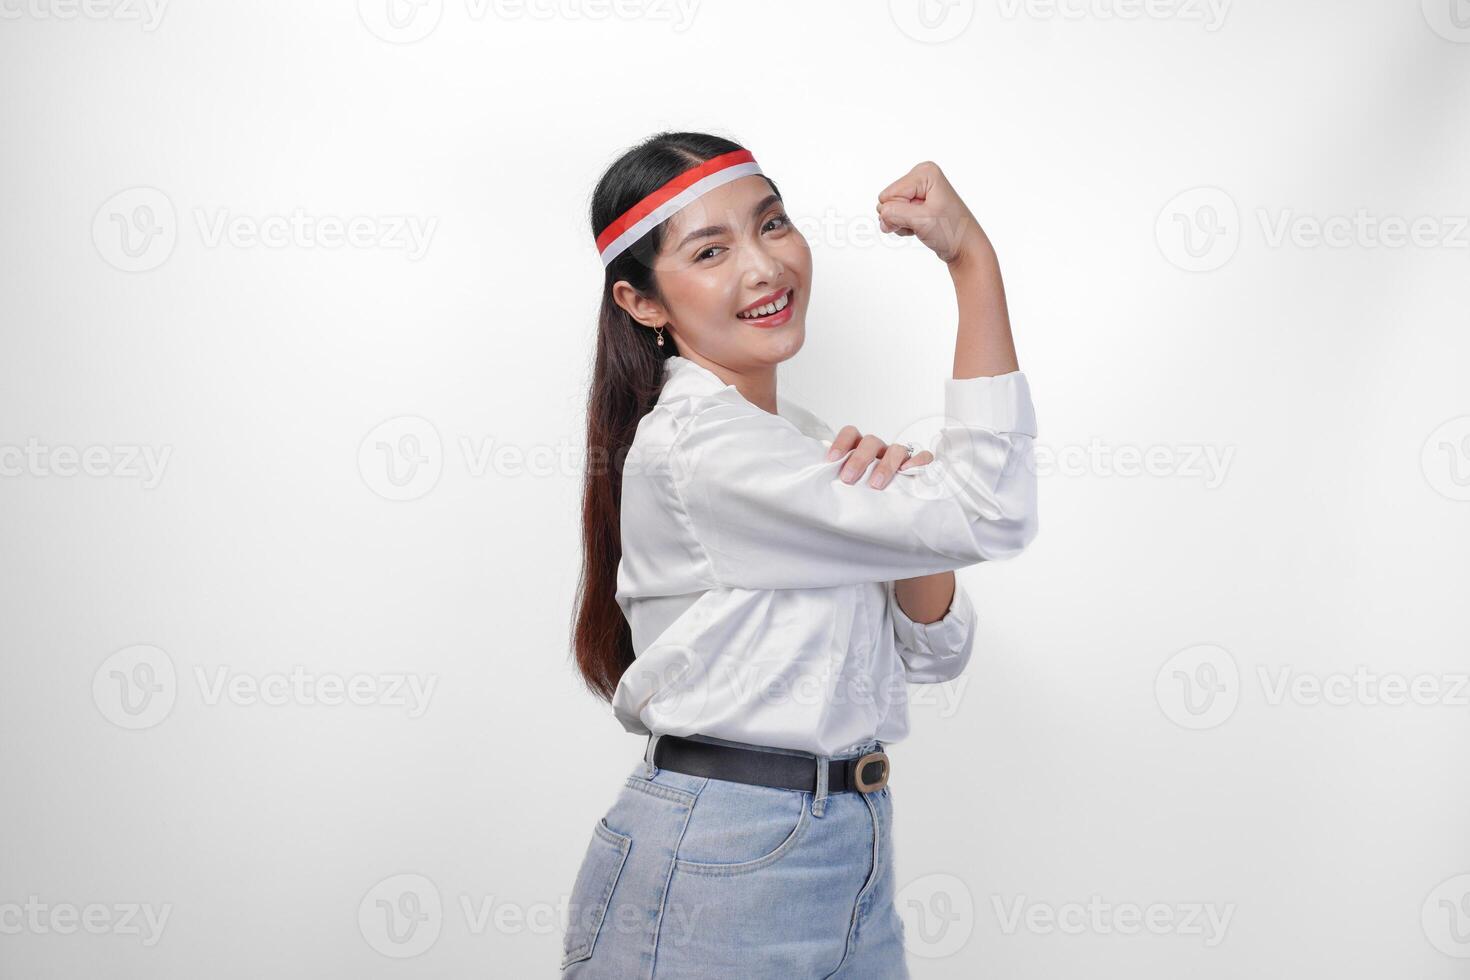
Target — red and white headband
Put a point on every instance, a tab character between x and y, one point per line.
671	198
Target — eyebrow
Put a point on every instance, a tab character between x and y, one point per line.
714	230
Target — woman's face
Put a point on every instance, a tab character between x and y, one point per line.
732	250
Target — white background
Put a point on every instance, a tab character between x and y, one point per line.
1133	172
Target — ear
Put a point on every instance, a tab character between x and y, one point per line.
646	311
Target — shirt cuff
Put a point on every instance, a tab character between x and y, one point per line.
936	651
1001	403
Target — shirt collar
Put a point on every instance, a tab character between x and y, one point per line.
685	378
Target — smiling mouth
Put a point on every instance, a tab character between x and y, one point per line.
776	306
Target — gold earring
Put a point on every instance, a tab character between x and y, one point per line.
660	331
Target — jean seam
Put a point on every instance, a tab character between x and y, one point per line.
663	899
862	892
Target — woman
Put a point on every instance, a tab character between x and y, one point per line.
757	590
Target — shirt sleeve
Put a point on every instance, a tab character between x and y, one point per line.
937	651
770	511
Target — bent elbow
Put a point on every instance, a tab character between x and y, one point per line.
999	506
1010	537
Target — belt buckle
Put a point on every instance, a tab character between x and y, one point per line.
862	763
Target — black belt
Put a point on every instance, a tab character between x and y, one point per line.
865	773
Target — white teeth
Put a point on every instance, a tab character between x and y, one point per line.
769	308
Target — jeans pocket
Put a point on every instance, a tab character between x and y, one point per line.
592	891
735	828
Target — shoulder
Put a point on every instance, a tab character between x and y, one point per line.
805	419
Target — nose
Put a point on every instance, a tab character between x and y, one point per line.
762	266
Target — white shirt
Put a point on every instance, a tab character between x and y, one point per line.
759	586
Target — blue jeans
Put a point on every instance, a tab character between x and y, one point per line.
692	877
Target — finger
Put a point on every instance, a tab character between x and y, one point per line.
917	459
899	230
902	215
888	464
865	452
914	184
847	437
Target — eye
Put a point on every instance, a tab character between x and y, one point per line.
701	256
781	221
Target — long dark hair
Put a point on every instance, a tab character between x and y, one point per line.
627	375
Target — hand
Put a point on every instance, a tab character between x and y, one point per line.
865	449
922	202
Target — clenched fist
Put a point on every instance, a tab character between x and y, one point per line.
922	202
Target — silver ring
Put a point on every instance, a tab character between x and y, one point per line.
913	449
